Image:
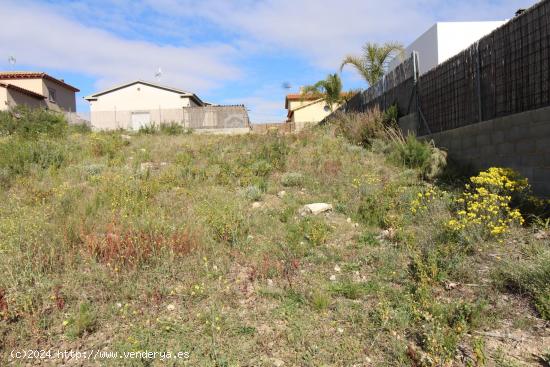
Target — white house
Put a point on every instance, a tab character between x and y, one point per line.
444	40
139	103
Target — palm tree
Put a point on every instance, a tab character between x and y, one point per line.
374	61
329	89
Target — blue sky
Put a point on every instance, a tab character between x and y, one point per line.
229	52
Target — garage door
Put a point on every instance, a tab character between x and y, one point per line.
140	119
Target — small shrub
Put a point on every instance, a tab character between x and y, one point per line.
226	220
359	128
292	179
84	321
373	209
320	300
107	144
348	289
31	122
93	169
369	239
391	115
18	155
413	153
82	128
485	207
315	230
252	193
172	128
149	129
275	151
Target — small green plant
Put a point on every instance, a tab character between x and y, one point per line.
348	289
320	300
107	144
315	230
171	128
149	129
252	193
84	321
369	239
291	179
226	220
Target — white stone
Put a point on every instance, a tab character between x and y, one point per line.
281	194
278	362
337	268
315	208
256	205
348	220
332	277
270	283
170	307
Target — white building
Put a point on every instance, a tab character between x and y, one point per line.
444	40
139	104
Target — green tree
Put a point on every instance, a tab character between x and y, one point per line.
329	89
374	61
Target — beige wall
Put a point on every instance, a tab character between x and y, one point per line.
16	98
4	105
138	97
313	113
65	98
9	98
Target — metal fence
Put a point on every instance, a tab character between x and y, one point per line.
505	72
206	117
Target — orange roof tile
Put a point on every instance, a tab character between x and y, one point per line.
34	75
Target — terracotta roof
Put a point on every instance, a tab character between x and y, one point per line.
22	90
34	75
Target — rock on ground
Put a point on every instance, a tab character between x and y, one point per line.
315	208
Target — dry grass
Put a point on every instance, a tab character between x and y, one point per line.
152	243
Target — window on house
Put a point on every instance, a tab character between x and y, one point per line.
51	92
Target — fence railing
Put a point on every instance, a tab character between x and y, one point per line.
505	72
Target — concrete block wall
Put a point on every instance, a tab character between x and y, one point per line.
520	141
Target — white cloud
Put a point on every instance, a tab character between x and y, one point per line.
119	40
41	38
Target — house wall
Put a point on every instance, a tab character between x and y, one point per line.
453	37
443	41
139	97
310	114
4	105
16	98
34	85
65	99
427	47
520	141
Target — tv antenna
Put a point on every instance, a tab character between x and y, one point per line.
158	74
12	60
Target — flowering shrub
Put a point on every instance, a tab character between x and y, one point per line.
486	203
423	200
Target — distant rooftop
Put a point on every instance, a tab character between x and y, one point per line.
34	75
